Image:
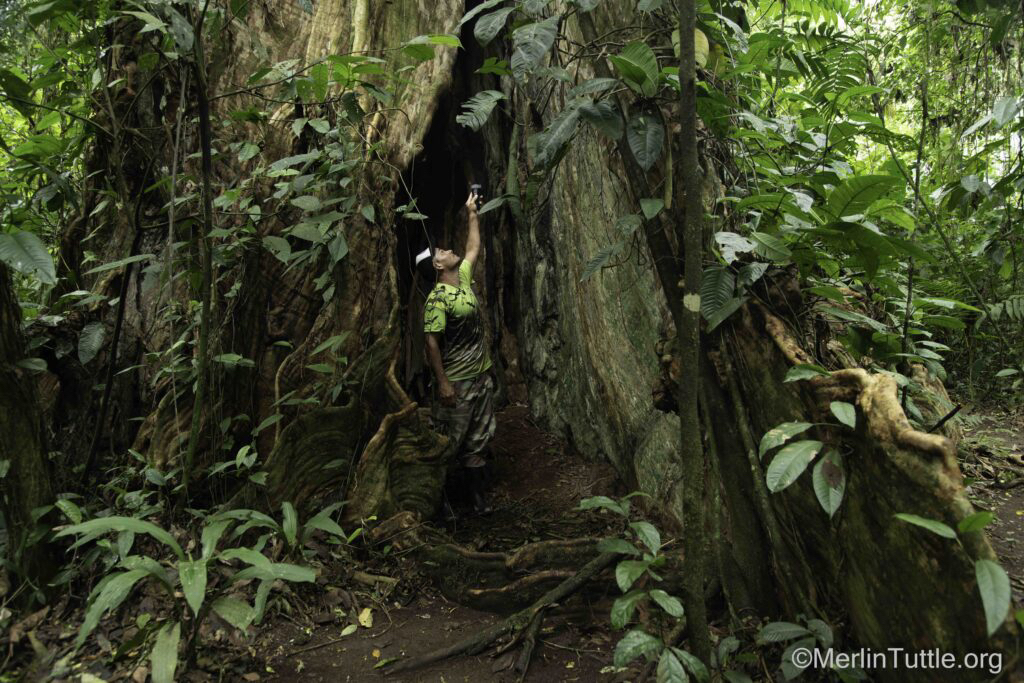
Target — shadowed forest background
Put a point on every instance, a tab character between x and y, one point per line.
751	277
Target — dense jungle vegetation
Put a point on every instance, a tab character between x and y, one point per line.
752	281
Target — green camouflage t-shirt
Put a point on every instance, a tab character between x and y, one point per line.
453	312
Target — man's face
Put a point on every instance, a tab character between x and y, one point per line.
445	259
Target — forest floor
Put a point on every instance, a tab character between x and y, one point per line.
994	468
538	483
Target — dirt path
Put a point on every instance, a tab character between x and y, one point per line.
995	468
537	485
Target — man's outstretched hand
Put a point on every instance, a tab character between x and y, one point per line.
471	203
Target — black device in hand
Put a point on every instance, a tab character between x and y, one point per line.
477	191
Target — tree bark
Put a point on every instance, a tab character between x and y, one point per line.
25	482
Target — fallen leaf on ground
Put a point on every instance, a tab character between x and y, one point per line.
366	617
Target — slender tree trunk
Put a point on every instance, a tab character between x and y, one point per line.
26	484
691	446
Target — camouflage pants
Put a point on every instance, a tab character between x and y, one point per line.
469	424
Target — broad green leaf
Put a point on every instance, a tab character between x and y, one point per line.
645	135
634	644
717	286
693	665
109	595
530	44
164	657
601	259
648	535
670	669
70	510
805	371
726	310
730	244
249	150
844	412
212	533
780	632
26	253
193	583
90	339
234	611
591	86
638	67
854	195
931	525
307	203
790	463
603	502
770	247
586	5
490	25
624	606
994	585
651	207
482	7
604	116
151	22
829	481
102	525
478	108
548	145
671	605
779	435
628	571
1004	109
975	522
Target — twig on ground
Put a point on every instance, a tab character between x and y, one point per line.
516	622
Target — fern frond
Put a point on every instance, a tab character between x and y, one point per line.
478	108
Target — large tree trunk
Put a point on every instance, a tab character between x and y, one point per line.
24	470
584	353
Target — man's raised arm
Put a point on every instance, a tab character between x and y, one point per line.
473	238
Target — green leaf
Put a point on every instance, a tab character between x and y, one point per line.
26	253
779	435
1004	109
770	247
638	67
234	611
717	286
482	7
829	481
321	126
120	262
307	203
994	585
931	525
723	313
89	341
854	195
212	533
18	92
338	248
693	665
975	522
805	371
601	259
110	593
530	44
490	25
604	116
628	571
790	463
671	605
164	657
670	669
617	545
624	606
730	244
290	522
478	108
193	583
645	136
102	525
592	85
651	207
634	644
548	145
844	412
648	535
780	632
248	151
70	510
278	570
151	22
603	502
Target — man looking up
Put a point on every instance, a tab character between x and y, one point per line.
457	353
